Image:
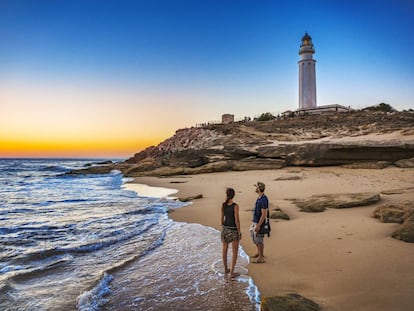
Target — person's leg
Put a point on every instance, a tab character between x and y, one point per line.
235	250
225	248
260	248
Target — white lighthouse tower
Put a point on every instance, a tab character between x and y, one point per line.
307	75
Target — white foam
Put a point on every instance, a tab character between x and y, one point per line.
150	192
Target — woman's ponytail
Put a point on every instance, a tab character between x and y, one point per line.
229	195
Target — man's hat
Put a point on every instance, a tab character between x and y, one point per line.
260	185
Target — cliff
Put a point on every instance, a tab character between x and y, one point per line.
357	139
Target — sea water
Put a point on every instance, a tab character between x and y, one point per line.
84	242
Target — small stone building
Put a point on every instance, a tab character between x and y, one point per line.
227	118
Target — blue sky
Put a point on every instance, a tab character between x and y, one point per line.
191	61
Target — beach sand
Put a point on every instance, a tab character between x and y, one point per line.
343	259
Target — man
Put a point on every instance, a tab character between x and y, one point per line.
259	217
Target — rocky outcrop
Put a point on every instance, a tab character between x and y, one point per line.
323	154
368	165
293	302
406	231
253	163
323	140
318	203
405	163
394	212
399	212
188	199
278	213
100	169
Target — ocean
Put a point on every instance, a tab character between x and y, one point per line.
86	242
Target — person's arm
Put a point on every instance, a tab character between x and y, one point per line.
222	217
237	219
261	220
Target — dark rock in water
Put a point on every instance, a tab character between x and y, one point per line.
318	203
290	302
104	162
368	165
100	169
91	170
406	231
394	212
405	163
187	199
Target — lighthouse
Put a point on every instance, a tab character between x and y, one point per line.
307	74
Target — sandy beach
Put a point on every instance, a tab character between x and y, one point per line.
343	259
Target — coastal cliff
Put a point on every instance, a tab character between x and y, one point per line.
357	140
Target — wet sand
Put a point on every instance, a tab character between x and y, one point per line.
342	259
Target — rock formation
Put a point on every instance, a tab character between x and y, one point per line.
358	139
318	203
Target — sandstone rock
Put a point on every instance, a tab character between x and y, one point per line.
398	191
322	154
148	164
294	177
187	199
253	163
405	163
318	203
220	166
290	302
279	214
406	231
368	165
164	171
394	212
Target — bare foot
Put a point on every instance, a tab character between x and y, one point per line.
234	275
226	271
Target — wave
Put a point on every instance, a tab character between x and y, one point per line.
94	298
19	273
84	248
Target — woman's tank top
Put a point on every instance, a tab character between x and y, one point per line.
229	220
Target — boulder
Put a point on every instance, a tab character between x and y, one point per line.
394	212
405	163
406	231
318	203
187	199
290	302
277	213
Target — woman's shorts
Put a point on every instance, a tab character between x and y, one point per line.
229	235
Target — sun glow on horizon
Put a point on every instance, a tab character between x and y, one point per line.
52	120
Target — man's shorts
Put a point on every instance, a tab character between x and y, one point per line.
256	237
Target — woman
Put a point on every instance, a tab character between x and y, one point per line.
231	231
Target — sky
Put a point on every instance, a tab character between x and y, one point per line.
109	78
